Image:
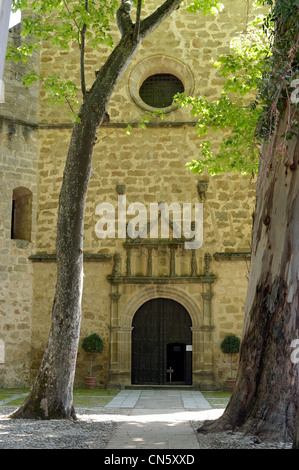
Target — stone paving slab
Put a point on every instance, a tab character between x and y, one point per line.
159	419
164	399
125	399
156	430
195	400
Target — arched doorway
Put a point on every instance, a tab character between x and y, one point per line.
161	343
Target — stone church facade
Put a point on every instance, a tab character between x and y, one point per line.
157	305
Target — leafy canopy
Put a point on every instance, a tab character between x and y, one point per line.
237	108
63	23
258	73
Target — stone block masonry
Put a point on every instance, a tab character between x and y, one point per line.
149	165
19	177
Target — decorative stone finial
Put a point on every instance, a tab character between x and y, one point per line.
202	187
116	261
120	189
207	263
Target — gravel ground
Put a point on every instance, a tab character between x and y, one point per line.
95	427
234	440
92	430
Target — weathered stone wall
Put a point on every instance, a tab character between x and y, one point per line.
151	165
229	296
18	168
95	315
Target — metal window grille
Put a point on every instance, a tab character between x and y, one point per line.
158	90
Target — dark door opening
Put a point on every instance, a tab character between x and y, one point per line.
176	362
159	326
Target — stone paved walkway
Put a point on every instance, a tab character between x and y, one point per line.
160	419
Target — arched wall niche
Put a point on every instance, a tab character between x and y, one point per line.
21	219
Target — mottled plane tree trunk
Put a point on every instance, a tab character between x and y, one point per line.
265	401
52	393
266	396
296	436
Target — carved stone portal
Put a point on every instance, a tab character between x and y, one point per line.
150	286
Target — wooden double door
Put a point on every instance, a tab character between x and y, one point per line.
161	344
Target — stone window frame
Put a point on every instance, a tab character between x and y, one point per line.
157	64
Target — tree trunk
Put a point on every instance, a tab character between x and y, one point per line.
52	393
51	396
266	396
296	436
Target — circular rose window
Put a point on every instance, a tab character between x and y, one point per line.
155	80
159	90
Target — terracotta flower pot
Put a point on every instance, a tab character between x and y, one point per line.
90	382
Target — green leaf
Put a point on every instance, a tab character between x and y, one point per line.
207	7
30	78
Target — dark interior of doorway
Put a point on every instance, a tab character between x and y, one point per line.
176	363
161	338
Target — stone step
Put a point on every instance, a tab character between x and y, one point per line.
159	387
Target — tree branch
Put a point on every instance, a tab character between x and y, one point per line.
68	10
123	16
149	24
82	54
137	24
82	65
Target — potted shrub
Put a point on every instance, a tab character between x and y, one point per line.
92	344
230	345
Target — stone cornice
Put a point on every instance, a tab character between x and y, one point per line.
232	256
161	279
51	258
123	125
